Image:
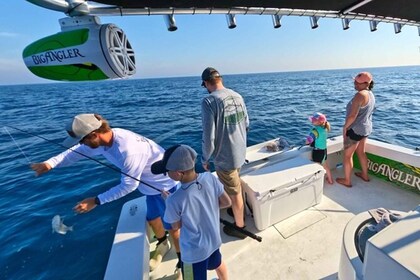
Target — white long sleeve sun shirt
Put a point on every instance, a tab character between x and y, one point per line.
133	154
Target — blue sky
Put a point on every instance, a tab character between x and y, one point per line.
204	40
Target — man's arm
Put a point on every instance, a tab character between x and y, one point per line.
246	116
40	168
86	205
65	158
209	129
224	201
133	166
176	225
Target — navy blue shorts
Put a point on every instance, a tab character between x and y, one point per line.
198	271
156	208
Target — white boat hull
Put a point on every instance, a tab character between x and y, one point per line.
304	246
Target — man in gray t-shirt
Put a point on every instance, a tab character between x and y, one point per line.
225	124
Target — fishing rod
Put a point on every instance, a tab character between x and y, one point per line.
241	230
300	147
86	156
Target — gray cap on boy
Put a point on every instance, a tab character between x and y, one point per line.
176	158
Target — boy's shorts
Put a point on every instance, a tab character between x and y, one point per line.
230	180
156	208
198	271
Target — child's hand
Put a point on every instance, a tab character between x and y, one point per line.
206	166
165	194
309	140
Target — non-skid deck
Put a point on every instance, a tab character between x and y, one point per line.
306	245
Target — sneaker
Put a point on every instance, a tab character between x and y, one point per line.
161	250
233	232
178	274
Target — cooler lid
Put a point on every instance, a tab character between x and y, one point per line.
281	175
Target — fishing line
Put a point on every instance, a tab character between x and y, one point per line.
86	156
5	128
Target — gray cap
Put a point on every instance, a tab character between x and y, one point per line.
79	127
208	74
176	158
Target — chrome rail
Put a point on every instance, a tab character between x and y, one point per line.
81	7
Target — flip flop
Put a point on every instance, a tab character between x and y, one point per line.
341	182
359	174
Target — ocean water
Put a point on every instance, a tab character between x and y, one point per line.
167	111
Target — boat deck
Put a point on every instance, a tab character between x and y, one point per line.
306	245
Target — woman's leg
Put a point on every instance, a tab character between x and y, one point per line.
361	154
348	164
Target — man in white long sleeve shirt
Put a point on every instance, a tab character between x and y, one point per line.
89	136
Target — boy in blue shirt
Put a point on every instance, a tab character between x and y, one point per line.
194	209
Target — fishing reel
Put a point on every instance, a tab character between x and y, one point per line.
84	50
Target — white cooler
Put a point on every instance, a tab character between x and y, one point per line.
279	191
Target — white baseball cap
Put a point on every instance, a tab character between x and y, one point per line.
79	127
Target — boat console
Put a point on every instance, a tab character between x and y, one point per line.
388	254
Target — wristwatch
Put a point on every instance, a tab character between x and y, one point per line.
97	201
